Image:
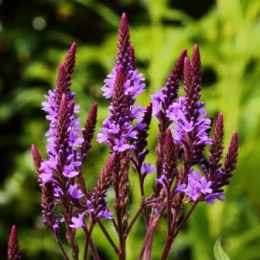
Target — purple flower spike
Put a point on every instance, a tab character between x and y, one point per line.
163	98
122	85
191	126
134	84
13	250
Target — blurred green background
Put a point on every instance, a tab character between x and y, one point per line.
34	37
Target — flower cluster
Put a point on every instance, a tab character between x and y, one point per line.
123	85
184	175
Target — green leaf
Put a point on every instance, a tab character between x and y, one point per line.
219	253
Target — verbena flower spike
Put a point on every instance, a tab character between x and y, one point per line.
183	173
13	251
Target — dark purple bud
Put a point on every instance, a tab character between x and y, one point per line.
123	42
141	142
62	83
132	56
119	84
171	153
37	158
188	79
105	177
232	155
13	250
196	64
69	62
217	145
89	129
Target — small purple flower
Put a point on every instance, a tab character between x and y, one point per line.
181	187
157	99
70	171
106	213
210	198
78	222
57	192
196	185
75	192
121	146
147	169
98	210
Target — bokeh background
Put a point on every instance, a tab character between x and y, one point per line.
34	37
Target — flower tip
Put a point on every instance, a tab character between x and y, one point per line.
219	119
13	250
184	52
196	47
196	56
234	139
33	148
95	106
150	106
73	47
13	229
186	60
196	50
124	17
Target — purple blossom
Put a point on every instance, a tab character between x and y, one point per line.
210	198
120	145
75	192
185	125
133	86
98	210
78	222
157	100
57	192
147	169
196	185
106	214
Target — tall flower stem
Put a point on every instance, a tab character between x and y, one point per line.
170	238
148	240
133	220
108	237
57	239
88	232
93	249
121	236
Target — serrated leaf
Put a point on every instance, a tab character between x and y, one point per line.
219	253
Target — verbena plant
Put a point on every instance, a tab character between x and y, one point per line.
183	174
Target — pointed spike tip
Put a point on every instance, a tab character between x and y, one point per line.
73	45
184	53
234	139
123	16
220	118
196	47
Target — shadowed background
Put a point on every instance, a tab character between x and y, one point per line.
34	37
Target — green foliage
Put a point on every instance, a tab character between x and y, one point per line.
219	253
228	34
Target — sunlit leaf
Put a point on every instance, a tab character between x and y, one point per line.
219	253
